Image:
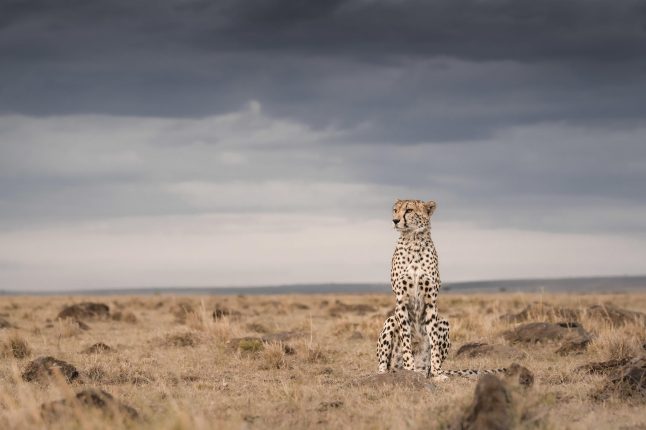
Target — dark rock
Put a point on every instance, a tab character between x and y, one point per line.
477	349
544	332
401	378
574	346
603	367
92	398
491	407
42	368
628	381
614	315
97	348
85	310
520	375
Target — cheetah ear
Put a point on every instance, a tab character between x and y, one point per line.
430	207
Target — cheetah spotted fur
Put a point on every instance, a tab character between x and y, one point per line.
415	325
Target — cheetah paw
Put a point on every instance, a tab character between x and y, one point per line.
440	378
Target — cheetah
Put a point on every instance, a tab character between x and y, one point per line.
415	281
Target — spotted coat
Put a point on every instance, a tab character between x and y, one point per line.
415	337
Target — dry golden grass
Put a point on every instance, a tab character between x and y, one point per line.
181	368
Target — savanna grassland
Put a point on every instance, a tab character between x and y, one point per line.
303	361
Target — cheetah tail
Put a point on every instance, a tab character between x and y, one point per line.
473	373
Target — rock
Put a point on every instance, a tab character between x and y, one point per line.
92	398
603	367
614	315
477	349
400	378
628	381
542	311
85	310
42	368
520	375
543	332
574	346
491	407
97	348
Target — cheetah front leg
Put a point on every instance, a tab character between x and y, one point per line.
434	332
404	325
388	345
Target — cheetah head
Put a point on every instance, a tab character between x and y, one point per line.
409	215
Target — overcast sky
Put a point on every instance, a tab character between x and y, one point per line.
218	143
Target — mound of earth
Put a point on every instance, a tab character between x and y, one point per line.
93	399
615	315
542	311
545	332
603	367
43	368
520	375
85	310
491	408
627	381
478	349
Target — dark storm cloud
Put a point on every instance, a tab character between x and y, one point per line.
341	62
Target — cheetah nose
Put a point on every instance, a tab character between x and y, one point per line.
396	221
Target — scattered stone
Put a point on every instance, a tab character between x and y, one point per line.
628	381
85	310
326	406
603	367
614	315
341	308
400	378
97	348
544	332
542	311
574	346
43	368
519	375
478	349
491	407
93	399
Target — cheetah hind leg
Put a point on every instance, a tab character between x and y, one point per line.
388	348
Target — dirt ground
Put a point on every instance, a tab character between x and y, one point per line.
302	361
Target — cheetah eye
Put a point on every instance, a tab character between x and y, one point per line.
409	210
